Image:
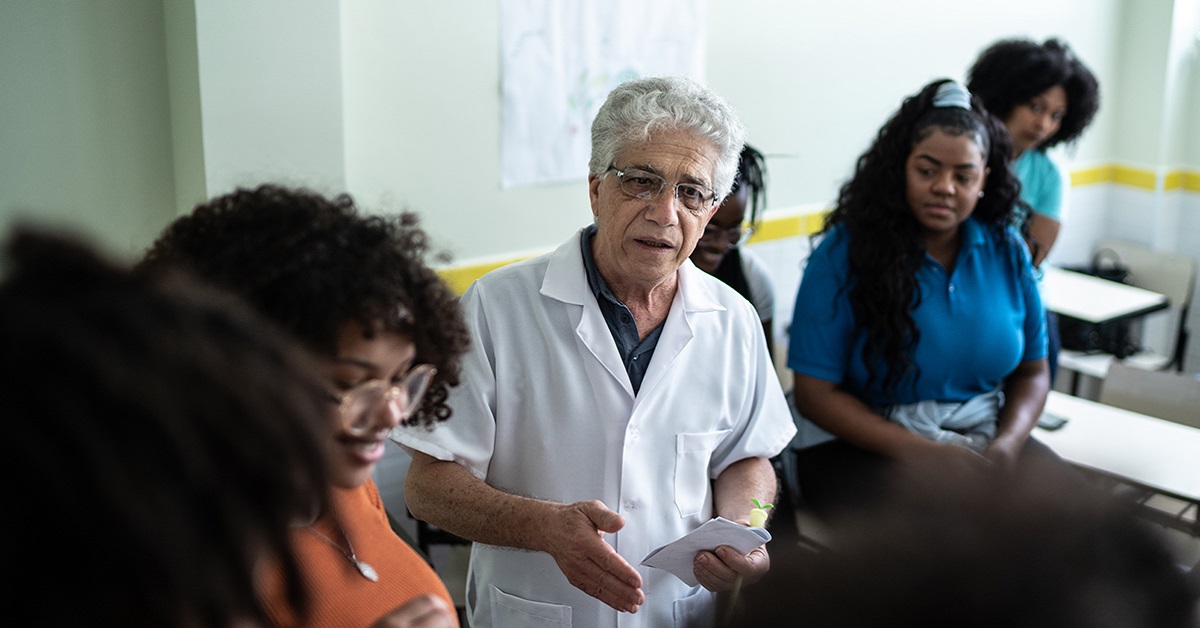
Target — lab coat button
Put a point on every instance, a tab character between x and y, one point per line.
633	434
630	505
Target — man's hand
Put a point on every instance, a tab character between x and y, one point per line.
719	570
423	611
575	540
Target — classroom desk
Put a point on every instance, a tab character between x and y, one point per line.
1096	300
1153	454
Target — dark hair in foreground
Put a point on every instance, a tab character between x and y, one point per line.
752	173
313	264
1012	71
885	247
986	551
160	439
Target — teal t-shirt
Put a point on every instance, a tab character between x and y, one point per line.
1041	184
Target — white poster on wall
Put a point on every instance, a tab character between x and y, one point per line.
561	58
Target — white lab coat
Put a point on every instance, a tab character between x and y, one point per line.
546	410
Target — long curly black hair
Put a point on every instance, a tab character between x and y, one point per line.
885	247
1012	71
313	264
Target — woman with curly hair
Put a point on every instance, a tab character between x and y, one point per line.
1046	96
919	335
719	251
355	291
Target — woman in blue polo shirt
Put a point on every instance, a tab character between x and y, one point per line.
918	335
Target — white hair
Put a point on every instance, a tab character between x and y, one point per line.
639	107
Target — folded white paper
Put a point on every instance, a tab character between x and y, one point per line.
676	557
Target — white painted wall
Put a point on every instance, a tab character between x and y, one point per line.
813	81
270	74
816	80
422	97
398	100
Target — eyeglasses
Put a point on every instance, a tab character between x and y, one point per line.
647	185
360	405
733	236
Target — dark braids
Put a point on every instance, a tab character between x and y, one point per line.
752	173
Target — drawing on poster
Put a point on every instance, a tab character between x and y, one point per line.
560	60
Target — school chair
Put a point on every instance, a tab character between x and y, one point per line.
1164	335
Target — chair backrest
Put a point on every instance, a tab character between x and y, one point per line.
1162	394
1166	273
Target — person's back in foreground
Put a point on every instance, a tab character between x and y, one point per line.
984	552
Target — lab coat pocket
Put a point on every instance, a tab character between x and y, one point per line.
693	452
697	610
510	610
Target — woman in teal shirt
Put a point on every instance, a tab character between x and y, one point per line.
1045	96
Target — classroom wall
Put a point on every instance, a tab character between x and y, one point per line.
118	115
813	86
1156	202
271	93
85	139
398	100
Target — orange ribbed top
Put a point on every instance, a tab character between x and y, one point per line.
338	594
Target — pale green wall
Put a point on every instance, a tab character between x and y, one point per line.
118	114
1192	146
84	126
1143	44
813	80
1188	116
183	80
270	75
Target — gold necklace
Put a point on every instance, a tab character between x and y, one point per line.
364	568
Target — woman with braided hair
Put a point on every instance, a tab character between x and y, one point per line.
720	252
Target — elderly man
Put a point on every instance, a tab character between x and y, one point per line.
615	396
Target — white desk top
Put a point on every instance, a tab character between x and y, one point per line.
1093	299
1159	454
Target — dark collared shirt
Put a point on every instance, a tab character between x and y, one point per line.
635	352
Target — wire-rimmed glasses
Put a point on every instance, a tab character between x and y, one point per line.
645	185
359	406
732	237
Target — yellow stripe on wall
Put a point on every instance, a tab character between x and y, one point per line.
460	277
1173	180
788	227
1135	177
1088	176
1191	181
